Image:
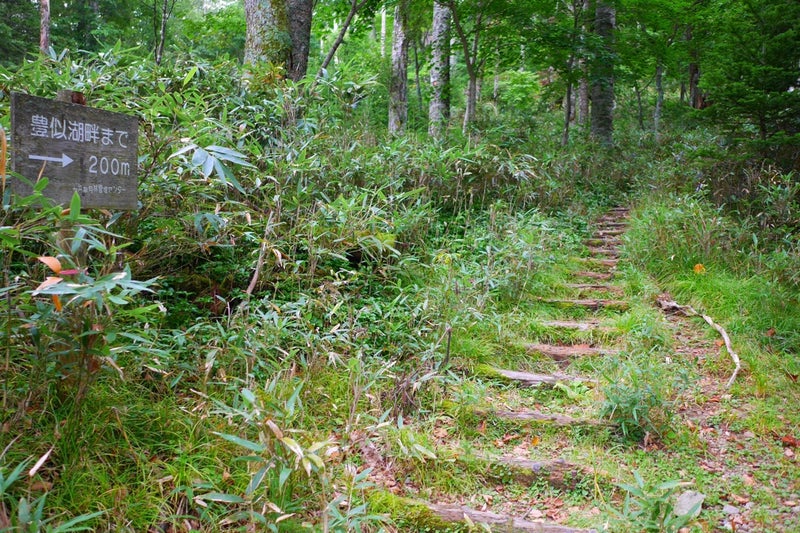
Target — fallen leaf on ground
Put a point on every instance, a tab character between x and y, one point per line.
791	441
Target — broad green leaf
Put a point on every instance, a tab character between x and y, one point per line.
244	443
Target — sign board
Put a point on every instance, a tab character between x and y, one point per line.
79	149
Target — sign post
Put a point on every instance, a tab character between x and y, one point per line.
79	149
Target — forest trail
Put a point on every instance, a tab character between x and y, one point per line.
594	294
530	475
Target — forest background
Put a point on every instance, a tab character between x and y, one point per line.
344	208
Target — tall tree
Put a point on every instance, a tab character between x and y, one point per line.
267	36
750	65
300	15
44	26
602	116
19	29
162	11
355	7
469	24
439	108
398	83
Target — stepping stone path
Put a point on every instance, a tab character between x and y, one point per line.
594	292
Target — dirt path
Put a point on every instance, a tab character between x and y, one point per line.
537	457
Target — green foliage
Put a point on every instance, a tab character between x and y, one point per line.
19	31
751	64
651	508
638	398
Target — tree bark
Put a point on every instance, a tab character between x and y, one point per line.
300	15
167	6
602	119
383	32
659	96
398	84
267	33
354	7
470	59
44	26
439	108
583	84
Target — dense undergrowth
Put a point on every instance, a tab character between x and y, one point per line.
311	284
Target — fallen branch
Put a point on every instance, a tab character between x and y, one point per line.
666	303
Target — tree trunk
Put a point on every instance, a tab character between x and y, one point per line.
696	98
161	35
416	78
300	13
659	96
383	32
267	33
602	119
354	7
567	114
44	26
472	100
639	107
583	84
439	108
398	84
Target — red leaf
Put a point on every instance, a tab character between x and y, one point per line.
790	441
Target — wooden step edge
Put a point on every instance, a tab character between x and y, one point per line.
579	326
605	276
608	263
531	415
567	353
599	250
612	224
609	232
454	513
595	287
532	379
591	303
429	516
558	473
612	241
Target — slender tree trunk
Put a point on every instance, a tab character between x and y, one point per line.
639	107
696	98
567	115
583	84
166	11
602	119
439	108
300	14
659	96
44	26
417	80
471	61
267	32
383	32
354	7
398	84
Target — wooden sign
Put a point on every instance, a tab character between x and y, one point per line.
79	149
